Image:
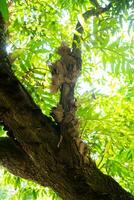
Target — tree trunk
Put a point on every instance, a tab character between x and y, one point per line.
31	148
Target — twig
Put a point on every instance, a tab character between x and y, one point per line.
76	45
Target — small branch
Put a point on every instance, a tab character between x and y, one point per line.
79	29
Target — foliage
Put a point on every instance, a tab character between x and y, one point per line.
16	188
104	92
4	9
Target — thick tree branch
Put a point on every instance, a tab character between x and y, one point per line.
17	109
65	73
64	77
17	162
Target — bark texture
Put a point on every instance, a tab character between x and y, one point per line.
30	150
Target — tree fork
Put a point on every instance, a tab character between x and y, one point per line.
35	137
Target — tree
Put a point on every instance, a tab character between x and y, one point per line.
47	148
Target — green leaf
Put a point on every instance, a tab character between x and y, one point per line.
4	9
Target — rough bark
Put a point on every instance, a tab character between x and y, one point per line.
30	150
17	161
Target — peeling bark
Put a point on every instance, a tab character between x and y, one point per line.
30	150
